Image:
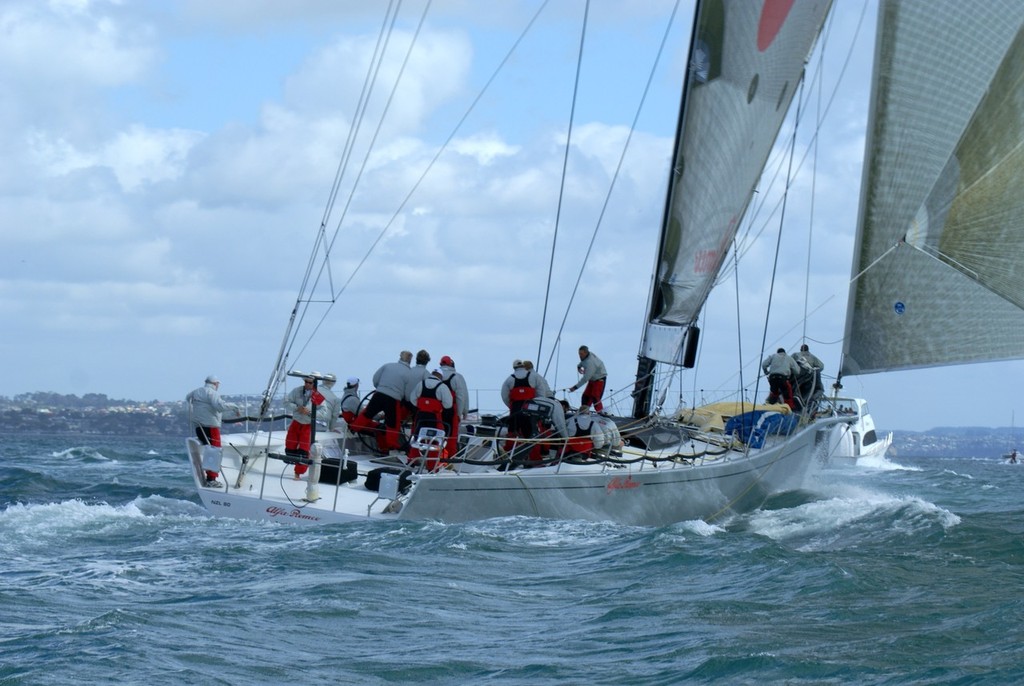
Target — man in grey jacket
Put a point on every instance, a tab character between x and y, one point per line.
453	416
332	403
300	402
808	381
389	383
782	371
205	409
593	375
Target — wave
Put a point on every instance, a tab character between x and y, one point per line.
84	453
43	522
883	464
856	512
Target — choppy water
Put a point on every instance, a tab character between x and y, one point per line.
902	572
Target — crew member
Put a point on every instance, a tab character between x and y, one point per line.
593	374
781	370
331	410
453	417
431	398
389	384
205	411
300	402
350	400
808	381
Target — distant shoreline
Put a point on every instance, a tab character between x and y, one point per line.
96	415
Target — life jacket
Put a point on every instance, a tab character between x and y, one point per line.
348	400
580	440
521	390
455	402
428	402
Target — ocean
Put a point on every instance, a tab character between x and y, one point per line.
904	571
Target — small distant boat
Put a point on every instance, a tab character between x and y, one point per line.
1012	456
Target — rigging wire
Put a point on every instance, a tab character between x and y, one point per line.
814	185
561	186
739	328
366	160
782	219
373	71
383	36
614	179
395	215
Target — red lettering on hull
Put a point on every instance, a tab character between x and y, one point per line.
619	483
295	513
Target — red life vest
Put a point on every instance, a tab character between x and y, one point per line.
521	390
455	403
580	440
428	402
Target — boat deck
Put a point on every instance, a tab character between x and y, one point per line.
258	481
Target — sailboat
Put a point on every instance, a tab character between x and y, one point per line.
1011	456
650	469
938	270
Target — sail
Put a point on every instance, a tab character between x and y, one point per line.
746	62
939	263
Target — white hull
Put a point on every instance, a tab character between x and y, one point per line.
856	440
642	492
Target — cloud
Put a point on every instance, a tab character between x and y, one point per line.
135	156
167	169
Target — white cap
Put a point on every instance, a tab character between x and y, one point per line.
353	381
212	379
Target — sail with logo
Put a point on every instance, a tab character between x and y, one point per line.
747	61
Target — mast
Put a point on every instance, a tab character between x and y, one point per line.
643	389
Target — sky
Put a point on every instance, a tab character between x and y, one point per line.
168	164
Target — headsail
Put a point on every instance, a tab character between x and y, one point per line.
943	174
746	60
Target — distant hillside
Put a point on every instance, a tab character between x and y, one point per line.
95	413
962	441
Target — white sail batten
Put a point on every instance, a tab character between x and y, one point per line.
943	170
664	343
746	62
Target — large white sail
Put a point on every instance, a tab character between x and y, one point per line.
746	64
940	260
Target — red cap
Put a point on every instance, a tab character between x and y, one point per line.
447	361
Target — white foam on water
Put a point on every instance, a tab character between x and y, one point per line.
884	464
81	452
844	510
701	528
44	520
550	533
